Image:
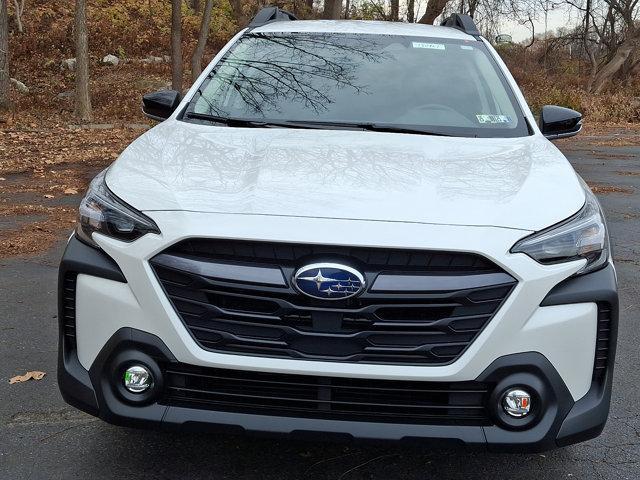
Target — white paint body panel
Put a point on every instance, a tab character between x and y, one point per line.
391	190
349	175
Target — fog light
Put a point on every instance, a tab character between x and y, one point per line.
137	379
516	403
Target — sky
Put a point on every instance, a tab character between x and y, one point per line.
559	17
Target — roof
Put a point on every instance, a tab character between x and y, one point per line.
365	26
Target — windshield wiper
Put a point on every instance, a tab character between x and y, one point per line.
230	121
375	127
246	122
383	127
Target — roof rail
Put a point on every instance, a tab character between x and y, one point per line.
271	14
463	22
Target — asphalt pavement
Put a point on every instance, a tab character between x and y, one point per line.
43	438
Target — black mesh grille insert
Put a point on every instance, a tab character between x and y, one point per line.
603	341
69	308
425	327
459	403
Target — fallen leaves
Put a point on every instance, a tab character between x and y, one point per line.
621	141
44	166
603	189
34	375
34	236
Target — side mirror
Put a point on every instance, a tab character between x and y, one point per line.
559	122
160	105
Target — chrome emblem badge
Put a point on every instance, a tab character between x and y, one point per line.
329	281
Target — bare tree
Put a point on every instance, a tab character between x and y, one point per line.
411	11
610	38
4	56
196	59
434	10
626	50
332	9
176	45
395	10
83	98
19	7
238	13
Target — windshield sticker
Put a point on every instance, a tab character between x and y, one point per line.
432	46
466	47
483	118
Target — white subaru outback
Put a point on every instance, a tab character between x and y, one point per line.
351	229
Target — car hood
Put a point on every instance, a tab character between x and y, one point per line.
521	183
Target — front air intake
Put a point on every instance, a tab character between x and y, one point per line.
420	307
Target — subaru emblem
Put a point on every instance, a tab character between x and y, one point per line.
329	281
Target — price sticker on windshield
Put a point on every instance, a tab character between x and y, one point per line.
432	46
484	118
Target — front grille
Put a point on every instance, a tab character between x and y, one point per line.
460	403
68	310
255	315
275	253
603	341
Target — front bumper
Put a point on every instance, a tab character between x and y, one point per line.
88	384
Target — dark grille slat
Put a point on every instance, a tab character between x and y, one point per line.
288	254
316	400
601	361
305	383
69	309
349	415
324	397
397	327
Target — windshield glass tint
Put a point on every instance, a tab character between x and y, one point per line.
444	86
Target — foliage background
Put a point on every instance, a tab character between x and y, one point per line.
136	29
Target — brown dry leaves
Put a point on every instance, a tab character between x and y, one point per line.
47	151
34	375
621	141
41	167
603	189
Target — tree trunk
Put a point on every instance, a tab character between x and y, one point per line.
236	7
196	59
176	45
83	98
411	11
608	71
4	56
473	5
332	9
395	10
434	10
19	8
195	5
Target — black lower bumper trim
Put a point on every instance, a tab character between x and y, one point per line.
548	430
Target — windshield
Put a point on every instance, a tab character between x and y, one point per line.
435	85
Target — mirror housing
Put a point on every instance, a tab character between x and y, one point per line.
160	105
559	122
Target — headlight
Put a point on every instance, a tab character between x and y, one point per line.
583	236
101	211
